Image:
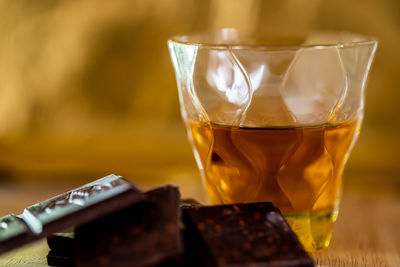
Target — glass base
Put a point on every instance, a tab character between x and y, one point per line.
314	230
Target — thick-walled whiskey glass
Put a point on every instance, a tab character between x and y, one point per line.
270	121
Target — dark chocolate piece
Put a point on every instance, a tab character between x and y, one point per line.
62	243
13	233
253	234
62	246
81	205
56	259
71	209
144	234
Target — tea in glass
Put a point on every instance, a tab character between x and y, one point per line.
274	122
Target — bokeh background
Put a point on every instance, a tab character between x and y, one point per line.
87	87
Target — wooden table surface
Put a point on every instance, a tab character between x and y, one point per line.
367	232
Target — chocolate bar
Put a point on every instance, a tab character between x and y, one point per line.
70	209
62	245
117	225
145	234
253	234
81	205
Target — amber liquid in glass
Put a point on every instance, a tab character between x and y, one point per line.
298	169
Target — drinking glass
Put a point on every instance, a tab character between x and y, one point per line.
274	121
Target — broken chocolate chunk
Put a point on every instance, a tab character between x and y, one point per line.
144	234
62	243
252	234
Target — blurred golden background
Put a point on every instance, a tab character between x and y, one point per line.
87	87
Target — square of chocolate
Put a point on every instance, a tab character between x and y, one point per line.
252	234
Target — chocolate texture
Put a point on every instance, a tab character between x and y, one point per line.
146	234
253	234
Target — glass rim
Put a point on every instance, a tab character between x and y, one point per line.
356	40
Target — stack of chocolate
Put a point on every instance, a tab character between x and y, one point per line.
111	223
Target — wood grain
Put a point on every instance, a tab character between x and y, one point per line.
366	233
33	255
